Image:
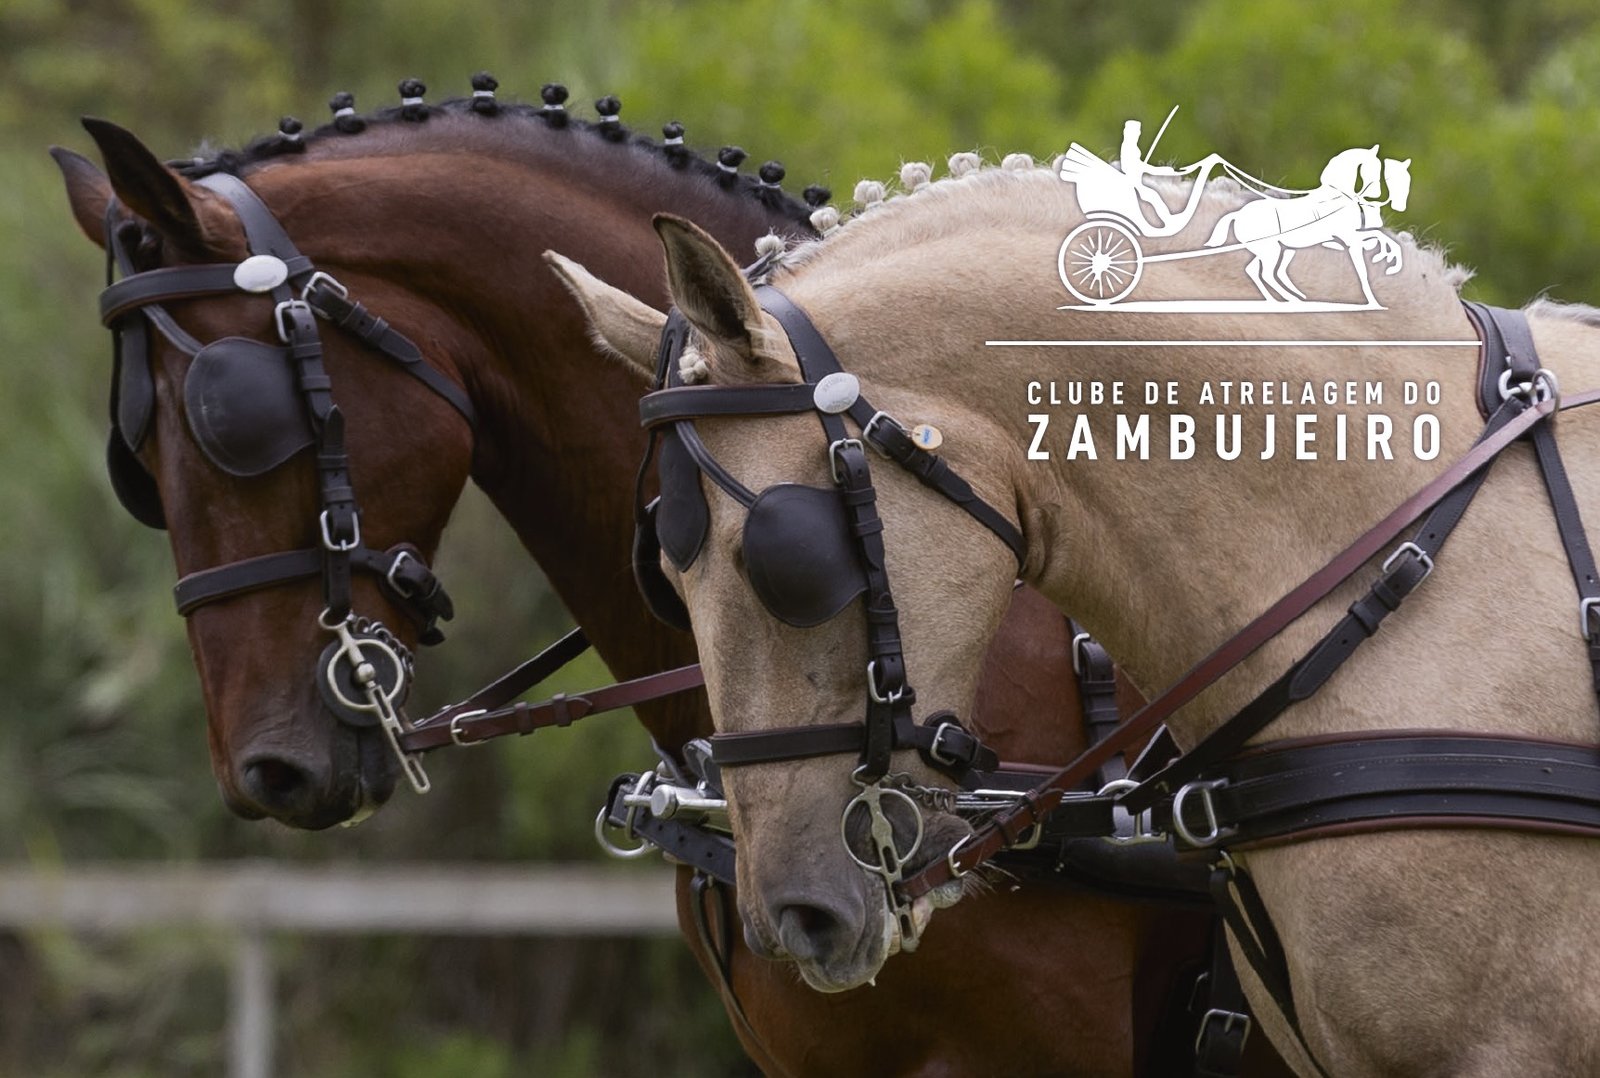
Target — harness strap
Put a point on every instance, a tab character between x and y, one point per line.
1408	567
674	403
985	843
1225	1024
469	728
519	679
1345	784
353	317
177	282
704	892
817	360
1246	916
1097	693
405	575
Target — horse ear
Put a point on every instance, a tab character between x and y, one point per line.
88	191
621	325
148	187
709	287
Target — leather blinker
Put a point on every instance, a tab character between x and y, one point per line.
659	597
134	487
243	406
682	518
800	555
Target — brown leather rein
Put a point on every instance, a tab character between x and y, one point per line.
1008	827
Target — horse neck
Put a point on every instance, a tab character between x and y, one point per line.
559	438
1096	528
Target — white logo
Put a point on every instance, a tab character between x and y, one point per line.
1101	261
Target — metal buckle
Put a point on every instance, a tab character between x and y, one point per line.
950	858
277	317
321	278
1181	828
455	728
1414	550
1030	840
1077	653
833	456
344	544
878	417
938	736
872	686
1587	609
1229	1019
399	559
1132	829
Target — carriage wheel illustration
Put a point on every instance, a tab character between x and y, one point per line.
1100	261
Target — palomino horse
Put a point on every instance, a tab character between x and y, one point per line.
1410	951
402	213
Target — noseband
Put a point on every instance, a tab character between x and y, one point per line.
251	405
809	552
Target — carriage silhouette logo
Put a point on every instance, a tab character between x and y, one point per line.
1101	261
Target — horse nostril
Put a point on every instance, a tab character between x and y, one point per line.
281	787
809	931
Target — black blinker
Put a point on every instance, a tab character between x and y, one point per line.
800	555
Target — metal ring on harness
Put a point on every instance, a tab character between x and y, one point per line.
1181	828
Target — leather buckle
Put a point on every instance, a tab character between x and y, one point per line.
456	731
392	576
952	759
834	449
1589	619
880	416
1229	1020
1078	662
1415	551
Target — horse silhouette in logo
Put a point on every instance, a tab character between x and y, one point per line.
1343	211
1101	260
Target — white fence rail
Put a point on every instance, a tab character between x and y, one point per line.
253	900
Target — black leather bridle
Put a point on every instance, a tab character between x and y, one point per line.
365	673
831	394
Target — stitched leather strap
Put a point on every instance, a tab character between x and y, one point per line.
1392	777
1246	916
695	402
1407	568
818	361
985	843
559	710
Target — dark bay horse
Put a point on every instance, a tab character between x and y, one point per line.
435	217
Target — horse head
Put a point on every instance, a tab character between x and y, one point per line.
1355	171
1397	181
218	435
770	589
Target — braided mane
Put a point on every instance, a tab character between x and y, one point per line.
292	139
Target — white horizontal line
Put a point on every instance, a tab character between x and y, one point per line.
1233	344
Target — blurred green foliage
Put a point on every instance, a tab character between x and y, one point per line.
102	753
